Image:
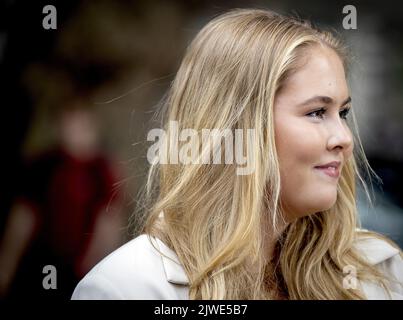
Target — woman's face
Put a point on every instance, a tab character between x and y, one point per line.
310	131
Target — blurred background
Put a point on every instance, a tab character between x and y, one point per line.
77	104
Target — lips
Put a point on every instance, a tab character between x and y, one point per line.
331	169
333	164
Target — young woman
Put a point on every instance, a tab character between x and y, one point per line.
286	230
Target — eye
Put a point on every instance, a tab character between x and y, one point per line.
344	113
317	113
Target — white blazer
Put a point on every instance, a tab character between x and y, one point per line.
137	271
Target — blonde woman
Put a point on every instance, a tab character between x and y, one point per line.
286	230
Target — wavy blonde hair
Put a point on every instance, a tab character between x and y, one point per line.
215	219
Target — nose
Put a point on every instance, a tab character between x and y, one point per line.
340	137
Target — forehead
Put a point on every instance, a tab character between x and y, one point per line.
321	73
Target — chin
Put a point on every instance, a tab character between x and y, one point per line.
324	203
327	195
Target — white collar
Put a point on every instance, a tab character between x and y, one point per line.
174	271
375	250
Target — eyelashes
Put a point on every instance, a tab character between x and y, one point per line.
344	113
319	113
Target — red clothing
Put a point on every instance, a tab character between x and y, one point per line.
68	194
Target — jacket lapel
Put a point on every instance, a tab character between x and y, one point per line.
174	271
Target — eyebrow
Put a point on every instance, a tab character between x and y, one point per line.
323	99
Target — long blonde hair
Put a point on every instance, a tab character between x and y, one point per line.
213	218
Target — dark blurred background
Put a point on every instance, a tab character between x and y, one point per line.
77	102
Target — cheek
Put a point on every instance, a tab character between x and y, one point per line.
299	146
299	149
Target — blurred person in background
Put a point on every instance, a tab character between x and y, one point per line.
66	212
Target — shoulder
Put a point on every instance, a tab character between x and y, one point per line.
386	257
133	271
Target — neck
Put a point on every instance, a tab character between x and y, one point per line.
271	236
